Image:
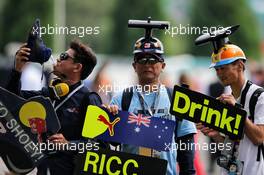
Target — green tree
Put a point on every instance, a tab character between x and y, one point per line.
92	13
18	17
225	13
123	38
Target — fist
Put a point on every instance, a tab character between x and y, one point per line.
21	57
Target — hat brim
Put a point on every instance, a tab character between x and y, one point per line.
148	51
224	62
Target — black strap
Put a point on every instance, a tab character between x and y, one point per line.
244	93
260	149
126	98
253	102
169	91
252	105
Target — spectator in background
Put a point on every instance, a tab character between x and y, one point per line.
215	90
258	76
185	79
100	83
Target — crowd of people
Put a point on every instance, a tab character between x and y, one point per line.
77	63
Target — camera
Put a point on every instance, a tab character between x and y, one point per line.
229	158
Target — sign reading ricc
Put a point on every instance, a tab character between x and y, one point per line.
108	162
199	108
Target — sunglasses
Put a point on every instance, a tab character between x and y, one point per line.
65	56
148	61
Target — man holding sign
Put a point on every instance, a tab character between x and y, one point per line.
152	99
228	60
73	66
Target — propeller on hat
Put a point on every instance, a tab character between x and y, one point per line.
218	37
148	25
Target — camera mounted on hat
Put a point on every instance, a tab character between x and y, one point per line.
224	52
148	46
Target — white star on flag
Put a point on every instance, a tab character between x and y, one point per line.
137	129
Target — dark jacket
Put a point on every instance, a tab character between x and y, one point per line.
71	113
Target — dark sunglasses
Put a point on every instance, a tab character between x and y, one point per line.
65	56
148	61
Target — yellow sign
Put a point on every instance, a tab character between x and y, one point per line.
97	122
204	109
108	162
93	158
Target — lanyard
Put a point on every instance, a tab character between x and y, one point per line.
69	96
154	105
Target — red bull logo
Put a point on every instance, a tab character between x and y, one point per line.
38	126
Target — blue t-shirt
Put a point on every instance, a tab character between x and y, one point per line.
184	127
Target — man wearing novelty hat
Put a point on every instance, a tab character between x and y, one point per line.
228	60
154	100
73	66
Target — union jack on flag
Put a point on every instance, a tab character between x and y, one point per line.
139	119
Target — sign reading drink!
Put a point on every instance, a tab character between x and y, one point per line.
199	108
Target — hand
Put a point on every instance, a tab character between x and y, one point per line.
58	138
227	99
21	57
207	131
111	108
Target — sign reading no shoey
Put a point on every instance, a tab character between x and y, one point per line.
199	108
24	124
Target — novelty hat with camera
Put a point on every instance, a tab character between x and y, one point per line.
224	52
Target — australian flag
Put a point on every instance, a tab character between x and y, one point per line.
137	130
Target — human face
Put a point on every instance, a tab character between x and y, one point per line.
228	74
148	69
65	64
